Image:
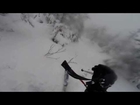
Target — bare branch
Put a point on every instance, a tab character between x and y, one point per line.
73	62
60	50
53	58
30	23
51	47
35	16
70	61
49	53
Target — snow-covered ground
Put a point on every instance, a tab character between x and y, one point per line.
24	66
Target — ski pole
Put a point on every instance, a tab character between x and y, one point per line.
83	83
86	71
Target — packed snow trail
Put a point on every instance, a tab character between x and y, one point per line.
24	66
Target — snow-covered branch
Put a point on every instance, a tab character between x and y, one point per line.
26	17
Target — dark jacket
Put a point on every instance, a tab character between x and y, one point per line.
101	72
95	88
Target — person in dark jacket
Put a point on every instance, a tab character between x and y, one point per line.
103	78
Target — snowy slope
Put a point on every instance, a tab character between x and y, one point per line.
122	85
24	66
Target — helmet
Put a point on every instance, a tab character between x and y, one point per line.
106	77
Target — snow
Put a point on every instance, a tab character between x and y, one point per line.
116	22
24	66
122	85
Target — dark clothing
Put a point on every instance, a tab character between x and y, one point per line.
95	88
104	72
103	77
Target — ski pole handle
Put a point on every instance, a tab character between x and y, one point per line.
87	71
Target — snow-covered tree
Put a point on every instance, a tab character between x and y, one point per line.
126	56
74	22
125	51
70	24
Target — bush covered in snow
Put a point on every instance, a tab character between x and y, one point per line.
66	26
125	51
100	36
5	24
74	23
62	34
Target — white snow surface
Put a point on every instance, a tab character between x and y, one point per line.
24	66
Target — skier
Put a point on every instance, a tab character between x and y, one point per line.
103	78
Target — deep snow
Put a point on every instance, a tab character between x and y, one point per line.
24	66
